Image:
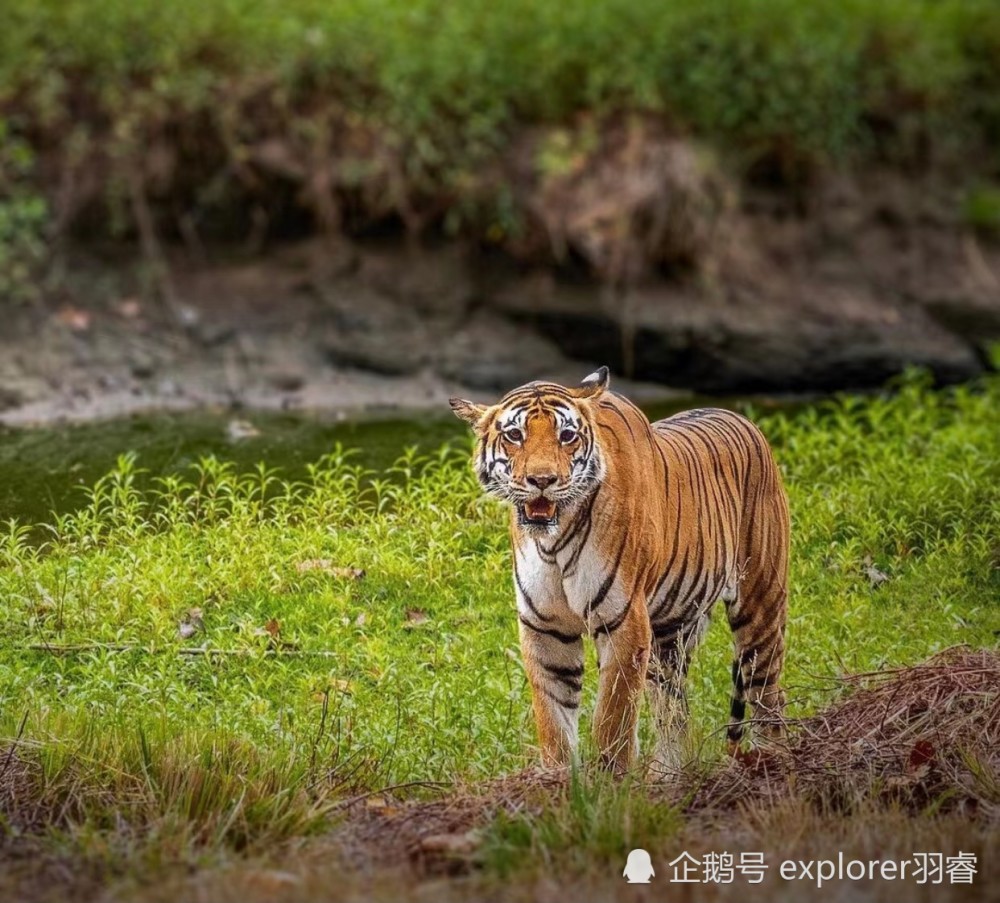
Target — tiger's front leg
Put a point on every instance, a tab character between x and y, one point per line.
554	663
623	653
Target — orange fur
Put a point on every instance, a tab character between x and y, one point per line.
631	531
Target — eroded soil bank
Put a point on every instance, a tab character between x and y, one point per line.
843	288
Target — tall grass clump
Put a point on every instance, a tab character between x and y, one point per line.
225	657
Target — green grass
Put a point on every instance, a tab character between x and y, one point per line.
591	823
328	685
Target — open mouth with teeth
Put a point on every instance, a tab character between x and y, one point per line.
539	512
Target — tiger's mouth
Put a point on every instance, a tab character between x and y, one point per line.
538	512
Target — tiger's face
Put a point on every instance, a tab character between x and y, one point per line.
537	448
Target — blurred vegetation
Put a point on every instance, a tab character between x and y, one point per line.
23	216
981	209
169	102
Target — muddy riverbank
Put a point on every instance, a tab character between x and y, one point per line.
871	277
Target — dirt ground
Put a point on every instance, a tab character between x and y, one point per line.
284	332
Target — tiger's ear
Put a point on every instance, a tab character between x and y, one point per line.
471	413
595	384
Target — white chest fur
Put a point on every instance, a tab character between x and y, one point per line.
541	595
564	588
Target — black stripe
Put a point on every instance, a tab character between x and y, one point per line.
737	679
738	622
609	627
608	406
602	591
570	567
566	704
761	680
656	590
570	675
565	638
582	516
678	585
665	633
527	598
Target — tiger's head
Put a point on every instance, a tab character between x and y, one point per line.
537	448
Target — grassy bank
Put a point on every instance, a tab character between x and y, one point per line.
207	668
357	111
762	71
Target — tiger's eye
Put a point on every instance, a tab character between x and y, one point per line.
567	436
514	435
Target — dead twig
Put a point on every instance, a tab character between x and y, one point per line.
73	649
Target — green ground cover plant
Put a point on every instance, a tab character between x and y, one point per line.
216	663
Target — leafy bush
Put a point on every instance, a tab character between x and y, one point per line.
23	217
411	98
981	209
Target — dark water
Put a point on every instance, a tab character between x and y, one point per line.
46	470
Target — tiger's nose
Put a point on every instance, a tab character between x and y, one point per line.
541	480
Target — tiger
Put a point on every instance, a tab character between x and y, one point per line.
631	531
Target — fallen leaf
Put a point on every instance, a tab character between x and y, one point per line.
74	318
191	623
129	308
352	573
415	616
754	759
237	430
313	564
452	844
875	576
273	628
360	620
922	754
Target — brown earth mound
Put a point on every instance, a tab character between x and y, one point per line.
924	739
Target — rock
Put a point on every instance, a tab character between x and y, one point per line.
435	281
287	380
976	317
238	430
143	366
742	340
169	388
9	398
371	332
490	352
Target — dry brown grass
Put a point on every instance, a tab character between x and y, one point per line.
920	738
906	760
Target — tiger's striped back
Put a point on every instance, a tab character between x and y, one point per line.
631	531
738	530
